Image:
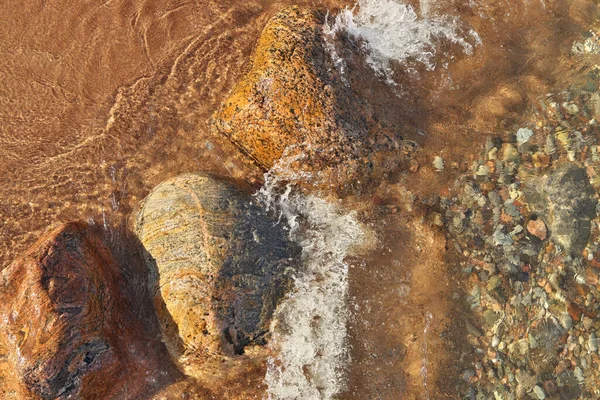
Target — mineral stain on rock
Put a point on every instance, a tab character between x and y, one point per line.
218	264
67	330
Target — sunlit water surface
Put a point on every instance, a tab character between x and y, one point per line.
101	101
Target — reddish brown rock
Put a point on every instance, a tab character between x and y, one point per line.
67	331
537	228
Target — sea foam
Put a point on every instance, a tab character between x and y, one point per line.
390	31
309	326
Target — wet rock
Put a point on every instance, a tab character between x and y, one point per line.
293	97
537	228
438	163
66	325
566	321
491	317
217	262
592	343
494	283
523	135
539	392
567	202
509	152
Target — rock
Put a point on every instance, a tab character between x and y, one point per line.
587	323
567	202
509	152
574	311
293	98
218	264
523	135
494	283
66	325
592	343
537	228
539	392
491	317
566	321
438	163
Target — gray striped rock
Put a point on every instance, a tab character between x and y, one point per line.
218	264
566	202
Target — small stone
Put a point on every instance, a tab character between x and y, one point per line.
413	166
537	228
574	311
566	321
491	317
438	163
539	392
495	198
540	160
592	343
523	135
495	341
494	283
509	152
587	323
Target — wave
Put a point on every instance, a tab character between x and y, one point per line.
309	327
390	31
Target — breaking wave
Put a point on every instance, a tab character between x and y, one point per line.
309	326
390	31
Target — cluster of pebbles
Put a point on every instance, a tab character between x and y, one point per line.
525	222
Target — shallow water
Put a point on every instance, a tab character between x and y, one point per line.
99	102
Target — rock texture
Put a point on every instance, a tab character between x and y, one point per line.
218	264
567	202
66	331
293	97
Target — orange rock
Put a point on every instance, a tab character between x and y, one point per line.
67	331
541	160
293	99
537	228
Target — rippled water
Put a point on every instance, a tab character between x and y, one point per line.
100	101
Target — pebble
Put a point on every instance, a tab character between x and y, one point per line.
438	163
523	135
592	343
509	152
537	228
539	392
587	323
494	283
566	321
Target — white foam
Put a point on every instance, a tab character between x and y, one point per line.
309	326
391	31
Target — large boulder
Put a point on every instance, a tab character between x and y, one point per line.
566	201
66	331
294	98
218	264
